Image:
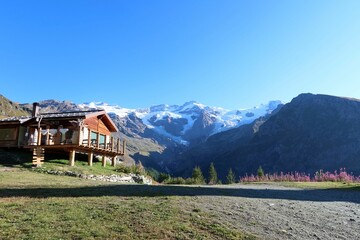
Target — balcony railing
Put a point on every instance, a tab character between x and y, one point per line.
67	137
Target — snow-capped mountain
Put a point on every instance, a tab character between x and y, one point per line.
189	123
156	135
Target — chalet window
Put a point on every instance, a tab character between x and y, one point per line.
93	135
102	141
7	134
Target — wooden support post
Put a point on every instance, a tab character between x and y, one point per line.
124	147
113	161
89	137
118	146
90	158
39	137
112	143
81	129
103	161
72	157
47	142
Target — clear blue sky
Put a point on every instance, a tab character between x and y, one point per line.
139	53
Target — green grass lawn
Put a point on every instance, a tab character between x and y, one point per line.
42	206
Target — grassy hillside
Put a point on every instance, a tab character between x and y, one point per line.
41	206
11	109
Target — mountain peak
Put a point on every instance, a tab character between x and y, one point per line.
176	122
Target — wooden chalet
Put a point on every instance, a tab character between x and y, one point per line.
87	132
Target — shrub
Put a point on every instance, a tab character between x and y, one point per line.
342	176
136	169
190	181
260	172
176	180
123	169
319	176
163	177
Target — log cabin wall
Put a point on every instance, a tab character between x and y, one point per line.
9	136
96	124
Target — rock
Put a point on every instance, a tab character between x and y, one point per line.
130	178
352	220
317	237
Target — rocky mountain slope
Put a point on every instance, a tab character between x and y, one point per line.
311	132
11	109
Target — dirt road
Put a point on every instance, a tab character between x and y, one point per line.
276	212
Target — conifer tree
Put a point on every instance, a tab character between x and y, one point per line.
260	172
198	176
230	178
212	174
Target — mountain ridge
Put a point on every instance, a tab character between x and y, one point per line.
310	133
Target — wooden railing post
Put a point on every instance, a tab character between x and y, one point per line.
89	137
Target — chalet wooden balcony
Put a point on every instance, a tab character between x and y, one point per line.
92	143
96	142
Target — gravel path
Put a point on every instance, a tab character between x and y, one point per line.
276	212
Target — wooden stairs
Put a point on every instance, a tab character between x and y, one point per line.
38	156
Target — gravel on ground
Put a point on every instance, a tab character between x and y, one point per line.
276	212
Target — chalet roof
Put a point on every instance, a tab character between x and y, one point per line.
20	119
76	114
27	120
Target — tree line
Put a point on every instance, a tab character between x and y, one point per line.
197	177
